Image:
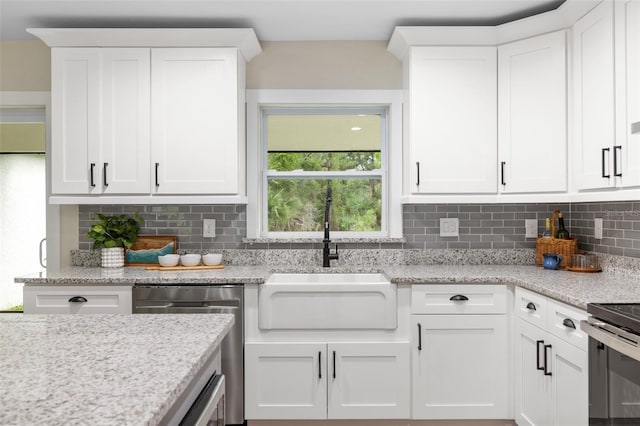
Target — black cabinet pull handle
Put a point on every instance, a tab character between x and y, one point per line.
419	336
104	174
319	364
334	364
615	160
502	163
604	163
92	183
569	323
157	166
538	343
418	173
459	298
77	299
600	346
531	306
546	361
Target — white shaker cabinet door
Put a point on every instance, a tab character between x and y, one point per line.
285	380
195	120
125	121
532	386
452	120
594	98
368	380
569	397
460	367
75	116
627	18
532	114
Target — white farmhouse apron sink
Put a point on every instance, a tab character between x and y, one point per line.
327	301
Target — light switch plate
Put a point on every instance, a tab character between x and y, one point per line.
209	228
531	228
449	226
597	228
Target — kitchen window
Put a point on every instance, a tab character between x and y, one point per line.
302	149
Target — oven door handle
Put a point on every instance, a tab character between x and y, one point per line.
205	405
609	340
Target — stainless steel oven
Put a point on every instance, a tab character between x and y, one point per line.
215	299
614	363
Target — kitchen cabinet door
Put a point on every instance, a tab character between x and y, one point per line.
531	385
569	393
452	119
285	380
460	367
195	121
627	19
125	118
532	114
594	93
368	380
75	117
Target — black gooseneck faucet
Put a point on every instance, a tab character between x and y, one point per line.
327	256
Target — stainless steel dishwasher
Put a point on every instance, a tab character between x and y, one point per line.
211	299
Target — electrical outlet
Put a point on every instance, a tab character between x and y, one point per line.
449	226
597	228
209	228
531	228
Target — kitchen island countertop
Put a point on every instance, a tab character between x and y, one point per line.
101	369
574	288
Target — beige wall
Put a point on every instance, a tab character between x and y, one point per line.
25	65
324	65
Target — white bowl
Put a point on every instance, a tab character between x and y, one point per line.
169	259
211	259
190	259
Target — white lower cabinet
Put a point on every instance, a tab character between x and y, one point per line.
551	372
459	367
461	355
340	380
77	299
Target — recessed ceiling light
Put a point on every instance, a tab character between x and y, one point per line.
356	129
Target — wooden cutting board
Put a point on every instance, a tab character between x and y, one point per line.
182	268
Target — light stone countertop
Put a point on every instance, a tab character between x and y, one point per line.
101	369
574	288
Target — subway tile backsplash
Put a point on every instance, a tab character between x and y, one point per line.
481	226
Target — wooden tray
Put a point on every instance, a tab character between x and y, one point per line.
182	268
569	268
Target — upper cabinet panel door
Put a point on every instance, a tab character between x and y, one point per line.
75	92
125	121
627	18
453	137
594	90
532	114
194	121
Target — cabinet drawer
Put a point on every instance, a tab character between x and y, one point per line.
561	320
531	307
458	299
89	300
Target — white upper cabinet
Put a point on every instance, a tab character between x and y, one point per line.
124	123
196	120
165	118
452	119
532	114
627	27
594	98
75	116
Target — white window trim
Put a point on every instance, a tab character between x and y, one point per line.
390	99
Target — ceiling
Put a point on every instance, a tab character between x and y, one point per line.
271	19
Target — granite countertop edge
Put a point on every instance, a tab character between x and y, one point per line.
577	289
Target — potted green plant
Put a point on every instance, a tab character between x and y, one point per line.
112	234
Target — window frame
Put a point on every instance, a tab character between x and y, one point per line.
338	100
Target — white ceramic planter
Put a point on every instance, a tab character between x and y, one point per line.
112	257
